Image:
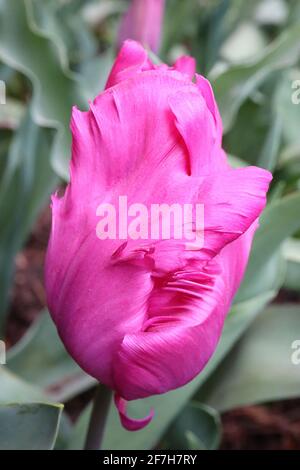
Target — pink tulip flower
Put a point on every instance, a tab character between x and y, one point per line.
143	22
144	316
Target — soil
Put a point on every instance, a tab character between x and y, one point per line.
28	293
274	426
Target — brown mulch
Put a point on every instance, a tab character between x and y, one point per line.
272	427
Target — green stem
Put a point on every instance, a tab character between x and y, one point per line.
98	418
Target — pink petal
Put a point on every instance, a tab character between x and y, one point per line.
185	319
127	136
129	423
232	200
196	125
143	22
206	90
132	59
186	65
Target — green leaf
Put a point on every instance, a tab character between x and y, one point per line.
288	111
247	141
95	13
279	221
244	43
198	427
11	114
237	83
268	278
272	12
26	183
41	359
94	74
63	22
31	426
64	432
14	389
291	252
24	47
289	164
260	366
167	406
270	152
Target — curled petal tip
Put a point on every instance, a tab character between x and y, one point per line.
129	423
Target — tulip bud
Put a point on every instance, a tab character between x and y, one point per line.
141	308
143	23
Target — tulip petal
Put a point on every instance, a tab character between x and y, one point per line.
232	201
186	65
129	139
143	22
184	325
207	92
185	319
132	59
196	125
130	424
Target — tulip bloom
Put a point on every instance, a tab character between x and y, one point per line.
145	316
143	23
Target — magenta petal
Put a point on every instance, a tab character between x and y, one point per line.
184	322
196	125
144	316
142	22
186	65
131	424
206	91
131	60
232	200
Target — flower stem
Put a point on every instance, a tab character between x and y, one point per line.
98	418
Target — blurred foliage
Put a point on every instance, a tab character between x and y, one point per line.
57	53
259	367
